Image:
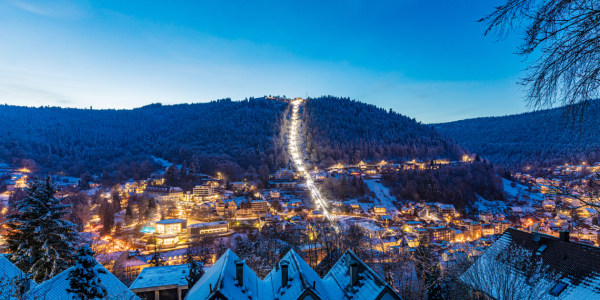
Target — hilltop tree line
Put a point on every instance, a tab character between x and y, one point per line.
223	134
457	185
349	131
535	139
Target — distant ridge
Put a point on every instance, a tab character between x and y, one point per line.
540	138
350	131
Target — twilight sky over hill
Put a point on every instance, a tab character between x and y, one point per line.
425	59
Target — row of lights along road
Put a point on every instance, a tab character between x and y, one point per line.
297	158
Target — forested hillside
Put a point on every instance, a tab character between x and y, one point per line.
228	136
531	139
349	131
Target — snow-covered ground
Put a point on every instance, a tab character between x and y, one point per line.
382	194
520	191
163	162
493	206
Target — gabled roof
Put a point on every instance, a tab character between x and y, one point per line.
56	287
369	286
221	278
301	278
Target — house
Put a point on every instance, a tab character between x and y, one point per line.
316	214
274	193
371	228
386	219
56	287
548	205
586	212
128	265
379	210
517	211
284	174
487	229
245	208
578	265
446	210
292	278
162	283
164	193
500	226
226	207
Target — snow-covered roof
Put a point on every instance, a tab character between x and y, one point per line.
220	280
9	274
369	226
578	264
370	286
208	224
301	277
56	287
161	276
221	277
170	221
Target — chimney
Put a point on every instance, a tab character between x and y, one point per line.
284	273
354	272
239	271
564	236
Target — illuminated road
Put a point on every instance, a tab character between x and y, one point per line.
297	158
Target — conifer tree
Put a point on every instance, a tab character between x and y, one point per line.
83	278
344	189
107	215
40	240
196	269
128	214
172	175
361	186
157	258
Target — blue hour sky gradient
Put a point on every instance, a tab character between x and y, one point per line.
425	59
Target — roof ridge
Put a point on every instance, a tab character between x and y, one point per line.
219	280
302	276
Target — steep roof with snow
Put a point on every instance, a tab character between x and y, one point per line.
301	279
220	279
9	274
370	286
56	287
578	264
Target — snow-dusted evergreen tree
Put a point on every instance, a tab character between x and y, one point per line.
196	268
84	283
157	258
40	240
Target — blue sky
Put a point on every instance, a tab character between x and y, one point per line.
425	59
